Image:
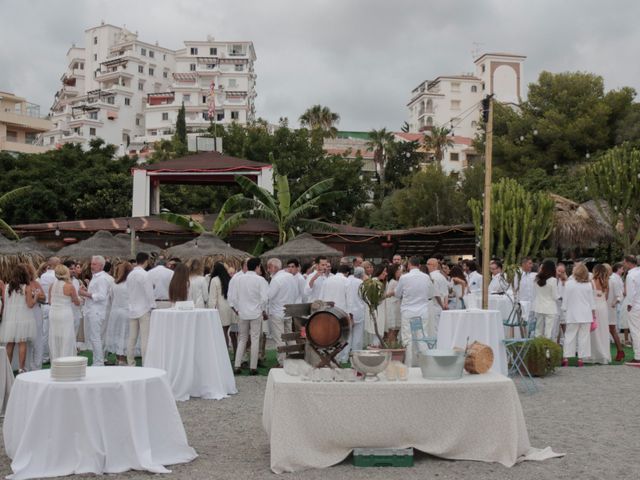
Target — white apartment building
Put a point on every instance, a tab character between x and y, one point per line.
124	90
454	101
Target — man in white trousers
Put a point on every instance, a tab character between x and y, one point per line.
41	347
141	302
283	290
441	297
356	308
249	301
633	305
415	291
95	307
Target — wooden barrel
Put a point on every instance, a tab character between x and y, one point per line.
328	327
479	358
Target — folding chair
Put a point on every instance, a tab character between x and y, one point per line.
517	348
419	338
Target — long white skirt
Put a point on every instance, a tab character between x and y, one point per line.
600	347
117	335
62	332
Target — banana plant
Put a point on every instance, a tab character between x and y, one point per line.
5	198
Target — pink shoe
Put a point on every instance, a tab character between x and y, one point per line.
565	362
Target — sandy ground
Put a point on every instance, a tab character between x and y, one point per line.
590	413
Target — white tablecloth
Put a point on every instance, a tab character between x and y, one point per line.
189	345
504	304
116	419
316	425
484	326
6	377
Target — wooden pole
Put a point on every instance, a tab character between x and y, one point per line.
486	225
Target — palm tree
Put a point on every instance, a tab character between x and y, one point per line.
257	202
5	228
379	142
320	118
438	141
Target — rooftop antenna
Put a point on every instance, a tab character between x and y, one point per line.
475	53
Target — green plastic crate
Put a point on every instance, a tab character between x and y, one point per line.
383	457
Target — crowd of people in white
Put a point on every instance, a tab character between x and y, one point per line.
43	311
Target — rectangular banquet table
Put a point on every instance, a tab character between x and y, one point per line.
114	420
484	326
316	425
190	346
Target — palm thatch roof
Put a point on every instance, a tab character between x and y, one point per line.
25	250
578	226
303	247
211	249
107	245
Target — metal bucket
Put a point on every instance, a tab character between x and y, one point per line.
441	364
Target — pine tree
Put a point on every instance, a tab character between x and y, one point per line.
180	137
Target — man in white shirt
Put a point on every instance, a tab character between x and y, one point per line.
41	345
95	307
335	288
141	302
415	291
160	276
293	266
525	285
633	305
251	295
474	280
614	299
283	290
498	282
356	309
441	297
315	282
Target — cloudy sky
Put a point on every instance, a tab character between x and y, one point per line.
359	57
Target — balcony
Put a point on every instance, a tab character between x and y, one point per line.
113	75
161	98
12	145
28	119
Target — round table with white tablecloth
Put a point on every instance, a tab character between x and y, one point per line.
116	419
484	326
504	304
6	376
190	346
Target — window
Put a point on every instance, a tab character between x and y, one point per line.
164	56
236	50
454	157
235	115
194	51
140	69
140	86
239	67
137	121
154	132
127	101
483	86
220	116
474	89
483	68
186	97
165	74
233	83
143	51
474	124
111	100
213	51
205	115
204	99
12	136
95	40
151	53
93	115
455	86
192	67
455	104
51	140
151	72
82	66
165	116
95	57
211	66
429	121
92	132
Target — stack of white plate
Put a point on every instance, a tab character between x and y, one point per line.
69	368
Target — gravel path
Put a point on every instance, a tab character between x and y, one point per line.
590	413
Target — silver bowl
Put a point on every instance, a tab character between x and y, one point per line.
370	362
441	364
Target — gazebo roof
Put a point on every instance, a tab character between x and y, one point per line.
105	244
303	247
208	245
205	162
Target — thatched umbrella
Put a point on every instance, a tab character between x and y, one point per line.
305	248
26	250
578	226
211	249
105	244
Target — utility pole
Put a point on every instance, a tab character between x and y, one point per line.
487	113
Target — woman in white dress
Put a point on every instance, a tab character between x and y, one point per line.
579	303
218	290
62	331
545	307
18	323
198	291
460	289
117	335
392	311
600	347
